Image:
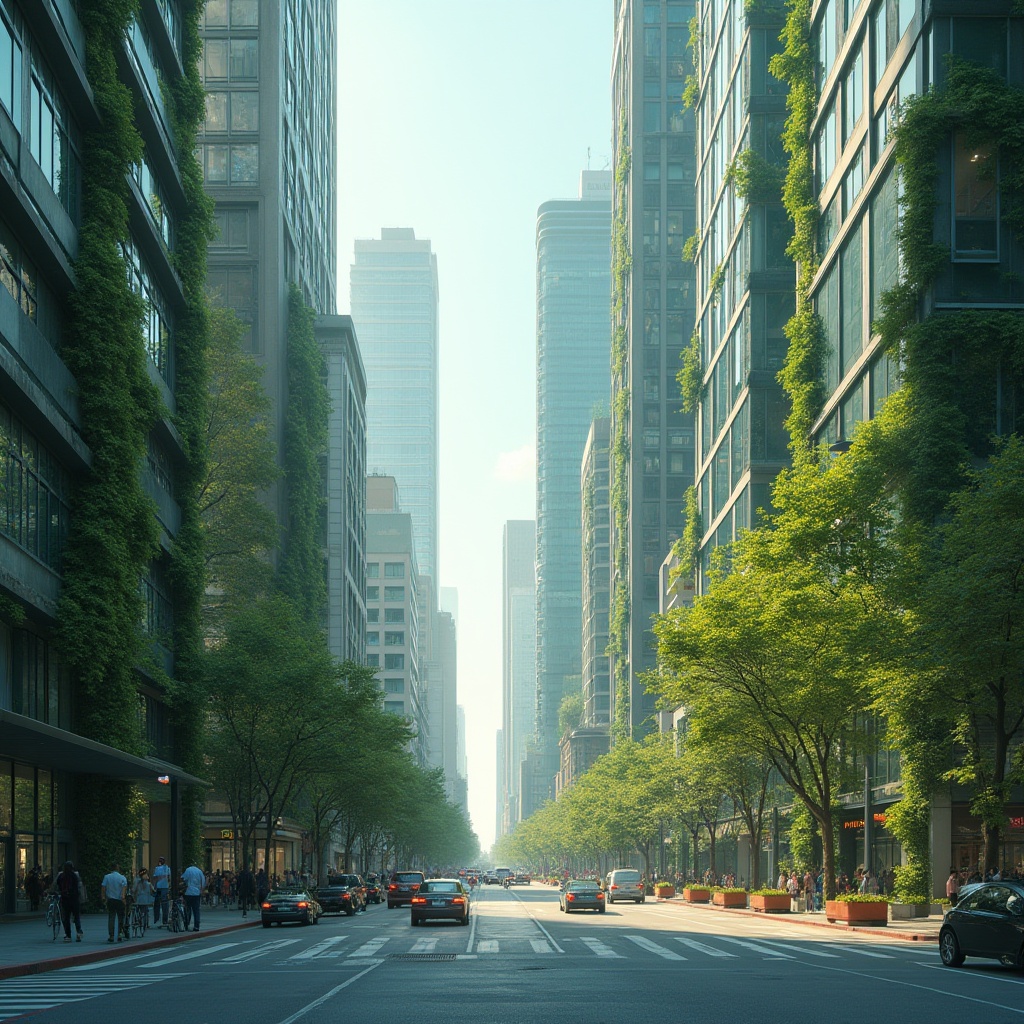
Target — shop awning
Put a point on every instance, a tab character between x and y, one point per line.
25	739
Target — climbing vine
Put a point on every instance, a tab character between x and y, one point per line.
691	374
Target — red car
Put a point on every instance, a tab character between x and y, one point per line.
402	887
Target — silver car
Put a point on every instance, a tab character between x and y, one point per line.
581	895
624	884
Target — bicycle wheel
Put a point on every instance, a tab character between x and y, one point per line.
50	915
58	920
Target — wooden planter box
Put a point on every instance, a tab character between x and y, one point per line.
857	913
729	899
664	892
771	904
696	895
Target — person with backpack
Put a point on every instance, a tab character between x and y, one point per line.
68	884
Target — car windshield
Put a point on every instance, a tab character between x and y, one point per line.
440	887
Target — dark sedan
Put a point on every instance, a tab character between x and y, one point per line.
403	886
580	895
441	899
294	906
987	922
343	894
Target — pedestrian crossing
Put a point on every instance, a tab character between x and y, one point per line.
19	996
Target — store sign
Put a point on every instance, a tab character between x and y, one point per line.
878	818
227	833
1017	822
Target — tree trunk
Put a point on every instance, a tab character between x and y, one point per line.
991	835
828	854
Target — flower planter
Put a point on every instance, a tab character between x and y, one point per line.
664	892
770	904
729	899
857	913
937	909
696	895
907	911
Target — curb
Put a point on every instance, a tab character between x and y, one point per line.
117	950
885	932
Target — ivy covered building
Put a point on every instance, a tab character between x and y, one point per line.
102	335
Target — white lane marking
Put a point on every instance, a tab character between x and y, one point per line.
487	946
330	995
600	949
320	948
188	956
541	946
424	946
32	994
547	934
369	948
701	948
1008	979
251	954
653	947
864	952
800	949
120	960
757	947
472	932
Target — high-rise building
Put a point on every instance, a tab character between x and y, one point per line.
394	301
654	306
519	660
345	486
596	576
745	277
573	281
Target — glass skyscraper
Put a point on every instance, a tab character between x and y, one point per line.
394	307
573	325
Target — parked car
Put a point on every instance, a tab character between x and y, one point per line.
440	898
298	906
402	886
986	922
374	889
624	884
343	894
520	878
578	894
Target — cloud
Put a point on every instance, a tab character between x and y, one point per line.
515	466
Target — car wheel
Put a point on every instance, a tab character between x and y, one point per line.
350	911
465	920
600	910
415	922
949	948
642	899
266	924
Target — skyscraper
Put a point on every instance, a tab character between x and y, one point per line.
653	302
518	662
394	305
573	282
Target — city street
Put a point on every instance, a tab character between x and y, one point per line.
521	961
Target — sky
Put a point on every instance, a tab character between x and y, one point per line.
458	118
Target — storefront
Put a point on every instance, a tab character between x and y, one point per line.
223	848
968	844
885	854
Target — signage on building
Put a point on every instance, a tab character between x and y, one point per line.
227	833
1017	822
878	818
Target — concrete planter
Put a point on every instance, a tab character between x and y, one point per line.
729	899
770	904
857	913
907	911
696	895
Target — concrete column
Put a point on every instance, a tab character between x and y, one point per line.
941	848
744	866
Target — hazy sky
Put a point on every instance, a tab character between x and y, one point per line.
458	118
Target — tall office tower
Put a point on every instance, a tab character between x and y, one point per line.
96	404
268	153
596	576
745	278
394	305
518	661
392	601
653	309
437	725
573	275
461	762
345	486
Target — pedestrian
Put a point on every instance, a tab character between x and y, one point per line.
195	882
953	885
34	886
262	884
161	891
113	889
142	893
246	889
68	884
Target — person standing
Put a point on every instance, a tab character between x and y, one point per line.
195	883
246	889
142	892
161	890
953	885
68	885
113	889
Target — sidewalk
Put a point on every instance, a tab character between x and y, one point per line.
921	929
27	946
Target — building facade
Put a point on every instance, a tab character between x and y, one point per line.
394	301
653	309
519	661
573	282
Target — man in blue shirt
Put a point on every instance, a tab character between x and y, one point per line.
162	887
195	882
112	889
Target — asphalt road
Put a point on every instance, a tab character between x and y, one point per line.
522	962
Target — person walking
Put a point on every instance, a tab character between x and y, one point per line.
953	885
246	889
113	889
142	893
68	885
195	883
161	891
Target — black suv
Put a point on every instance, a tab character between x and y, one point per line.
343	894
402	887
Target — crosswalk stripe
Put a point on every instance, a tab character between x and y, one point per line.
541	946
756	947
653	947
487	946
600	949
26	995
121	960
865	952
369	948
261	950
801	949
187	956
319	949
424	946
701	948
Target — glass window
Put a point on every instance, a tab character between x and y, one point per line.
394	615
10	68
245	111
826	40
852	304
825	158
853	96
215	170
373	593
244	164
216	112
216	13
884	255
232	229
372	570
652	42
373	638
975	200
215	59
395	570
981	41
244	55
394	594
394	661
52	136
245	13
652	116
394	638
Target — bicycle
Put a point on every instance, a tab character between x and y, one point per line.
138	920
55	916
176	919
